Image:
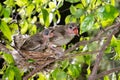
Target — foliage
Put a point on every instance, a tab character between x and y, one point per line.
21	16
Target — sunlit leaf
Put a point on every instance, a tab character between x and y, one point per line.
8	58
52	5
74	70
24	27
5	30
112	2
9	74
13	28
107	14
32	29
12	73
29	9
87	23
21	2
69	19
56	20
41	77
85	2
9	3
73	1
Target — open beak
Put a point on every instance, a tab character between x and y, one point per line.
76	31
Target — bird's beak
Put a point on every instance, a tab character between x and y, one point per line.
76	31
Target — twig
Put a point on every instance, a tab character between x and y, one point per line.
38	68
107	72
99	56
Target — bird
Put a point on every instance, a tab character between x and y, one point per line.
37	42
62	34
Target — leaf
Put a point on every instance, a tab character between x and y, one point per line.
76	12
41	77
64	64
56	20
107	14
58	74
9	74
87	23
73	1
45	15
74	70
52	5
7	12
24	27
8	58
21	2
5	30
112	2
12	73
29	9
9	3
85	2
69	19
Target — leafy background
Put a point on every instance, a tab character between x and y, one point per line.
31	16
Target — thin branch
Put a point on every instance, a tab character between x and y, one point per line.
107	72
99	56
38	68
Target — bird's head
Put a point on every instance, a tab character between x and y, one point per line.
47	33
72	28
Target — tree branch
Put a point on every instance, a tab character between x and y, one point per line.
107	72
99	56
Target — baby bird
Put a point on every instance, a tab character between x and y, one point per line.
63	34
37	42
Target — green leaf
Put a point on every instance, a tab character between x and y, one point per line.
74	70
87	23
24	27
58	74
45	17
5	30
41	77
13	28
17	73
107	14
8	58
7	12
85	2
56	20
64	64
21	2
12	73
70	19
9	74
76	12
0	8
32	30
73	1
52	5
29	9
10	3
113	2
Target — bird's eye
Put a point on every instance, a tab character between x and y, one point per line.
46	32
70	26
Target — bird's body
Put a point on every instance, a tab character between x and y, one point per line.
37	42
63	34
